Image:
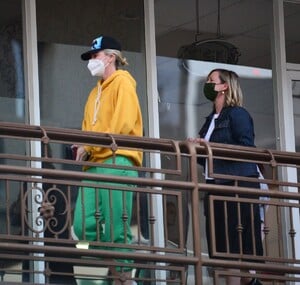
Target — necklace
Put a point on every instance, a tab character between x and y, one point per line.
97	104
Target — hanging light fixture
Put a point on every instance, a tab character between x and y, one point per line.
214	49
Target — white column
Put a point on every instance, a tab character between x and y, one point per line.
32	107
153	118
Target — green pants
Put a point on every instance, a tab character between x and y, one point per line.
102	209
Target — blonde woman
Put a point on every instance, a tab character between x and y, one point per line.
230	123
112	107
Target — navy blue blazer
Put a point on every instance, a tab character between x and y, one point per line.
233	126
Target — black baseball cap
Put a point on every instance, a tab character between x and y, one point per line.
101	43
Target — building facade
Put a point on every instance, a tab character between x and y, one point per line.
44	82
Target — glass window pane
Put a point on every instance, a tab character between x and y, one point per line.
188	50
292	37
65	81
11	62
65	29
186	55
12	109
244	25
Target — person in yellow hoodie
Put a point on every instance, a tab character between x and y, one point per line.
112	107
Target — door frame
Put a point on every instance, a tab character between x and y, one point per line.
293	73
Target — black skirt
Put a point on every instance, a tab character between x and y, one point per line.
248	227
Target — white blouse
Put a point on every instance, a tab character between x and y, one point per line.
207	137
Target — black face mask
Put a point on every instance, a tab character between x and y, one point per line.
209	91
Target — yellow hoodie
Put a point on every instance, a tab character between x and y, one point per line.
118	112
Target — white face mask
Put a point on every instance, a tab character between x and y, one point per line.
96	67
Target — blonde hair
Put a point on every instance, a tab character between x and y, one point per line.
234	94
120	60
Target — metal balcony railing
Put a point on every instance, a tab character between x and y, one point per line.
40	182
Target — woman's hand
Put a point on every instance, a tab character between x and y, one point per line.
81	154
